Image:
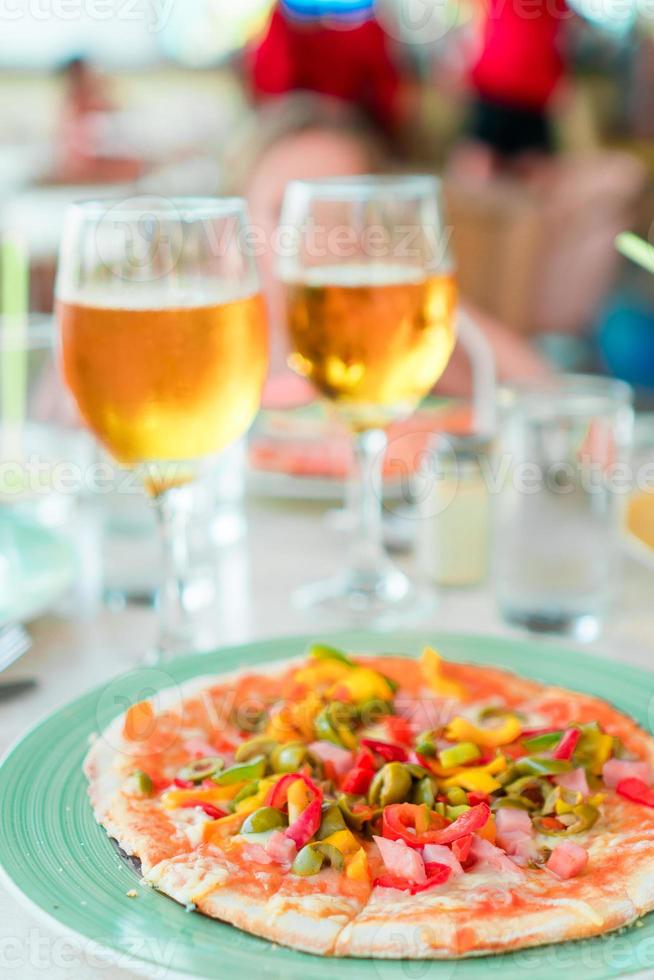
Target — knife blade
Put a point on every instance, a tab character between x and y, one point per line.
12	689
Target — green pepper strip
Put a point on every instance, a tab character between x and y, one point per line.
392	784
311	858
536	765
143	782
332	821
242	771
458	755
200	769
259	745
263	819
319	651
586	816
541	743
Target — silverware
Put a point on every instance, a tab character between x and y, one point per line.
14	642
12	689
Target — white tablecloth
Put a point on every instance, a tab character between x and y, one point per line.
287	545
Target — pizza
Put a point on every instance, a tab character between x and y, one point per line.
382	806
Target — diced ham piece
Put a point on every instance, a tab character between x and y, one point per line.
514	832
574	780
509	819
257	854
483	851
567	860
401	860
615	770
281	848
440	854
199	748
341	759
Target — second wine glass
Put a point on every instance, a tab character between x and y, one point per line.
371	303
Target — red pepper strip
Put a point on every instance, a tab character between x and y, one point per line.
475	797
399	730
393	881
437	874
277	795
461	848
364	759
388	752
307	823
358	781
399	823
567	745
636	790
533	732
184	783
208	808
303	829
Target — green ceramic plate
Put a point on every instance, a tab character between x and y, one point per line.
56	857
36	567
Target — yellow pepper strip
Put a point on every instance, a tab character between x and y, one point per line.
303	713
596	800
363	684
299	797
214	831
344	841
252	803
431	665
178	797
488	831
462	730
560	806
320	673
477	778
602	753
356	867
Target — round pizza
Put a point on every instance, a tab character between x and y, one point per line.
381	806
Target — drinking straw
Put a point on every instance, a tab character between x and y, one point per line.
636	249
14	305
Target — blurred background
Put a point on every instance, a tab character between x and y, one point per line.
539	116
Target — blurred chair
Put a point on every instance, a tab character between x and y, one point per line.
538	254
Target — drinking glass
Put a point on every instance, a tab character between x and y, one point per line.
164	347
563	453
371	316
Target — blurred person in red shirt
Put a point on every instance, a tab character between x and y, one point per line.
514	78
347	56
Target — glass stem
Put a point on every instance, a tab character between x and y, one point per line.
174	627
367	555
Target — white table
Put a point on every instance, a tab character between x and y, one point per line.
287	545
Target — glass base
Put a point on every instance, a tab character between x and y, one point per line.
382	599
582	627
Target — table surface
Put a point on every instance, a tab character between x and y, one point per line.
286	546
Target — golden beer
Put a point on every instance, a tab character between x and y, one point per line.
373	339
177	383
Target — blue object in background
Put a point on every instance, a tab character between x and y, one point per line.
327	8
625	337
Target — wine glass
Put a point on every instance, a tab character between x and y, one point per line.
163	344
371	316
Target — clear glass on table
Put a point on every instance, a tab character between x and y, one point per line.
371	300
561	479
163	340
